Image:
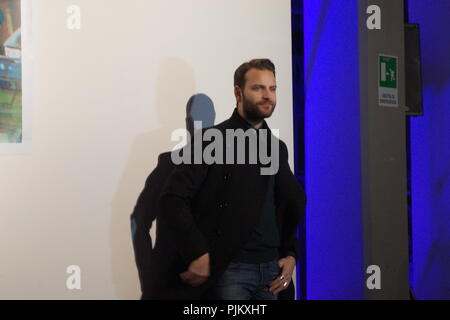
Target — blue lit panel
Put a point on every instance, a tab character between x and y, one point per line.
332	151
430	155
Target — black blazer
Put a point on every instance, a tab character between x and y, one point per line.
214	208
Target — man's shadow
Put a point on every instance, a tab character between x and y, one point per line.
174	85
155	251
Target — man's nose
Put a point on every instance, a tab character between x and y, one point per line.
266	94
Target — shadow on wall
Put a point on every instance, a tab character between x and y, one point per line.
155	253
175	83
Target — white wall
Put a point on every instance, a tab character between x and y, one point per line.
105	100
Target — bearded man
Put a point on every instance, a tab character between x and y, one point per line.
235	228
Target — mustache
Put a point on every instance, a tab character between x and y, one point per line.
265	102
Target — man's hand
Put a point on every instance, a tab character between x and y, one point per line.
281	282
197	272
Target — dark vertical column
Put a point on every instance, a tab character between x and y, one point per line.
383	151
299	128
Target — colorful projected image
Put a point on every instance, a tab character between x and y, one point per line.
10	72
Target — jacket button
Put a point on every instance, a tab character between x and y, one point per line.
226	176
223	204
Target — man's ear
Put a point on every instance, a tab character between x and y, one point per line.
237	93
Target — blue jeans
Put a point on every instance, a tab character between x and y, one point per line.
246	281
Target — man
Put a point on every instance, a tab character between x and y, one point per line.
234	227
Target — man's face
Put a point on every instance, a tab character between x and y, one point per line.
259	94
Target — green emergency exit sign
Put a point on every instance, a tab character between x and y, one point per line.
387	80
388	72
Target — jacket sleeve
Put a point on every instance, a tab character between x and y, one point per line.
176	198
294	211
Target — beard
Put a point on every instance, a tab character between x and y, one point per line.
256	111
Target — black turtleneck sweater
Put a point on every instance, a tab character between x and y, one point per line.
264	241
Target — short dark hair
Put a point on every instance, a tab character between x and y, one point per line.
261	64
